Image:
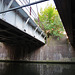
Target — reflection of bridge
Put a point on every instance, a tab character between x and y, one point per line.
17	26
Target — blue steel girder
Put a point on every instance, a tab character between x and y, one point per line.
11	35
24	16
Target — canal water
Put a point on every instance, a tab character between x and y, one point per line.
36	69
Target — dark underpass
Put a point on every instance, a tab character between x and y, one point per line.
22	54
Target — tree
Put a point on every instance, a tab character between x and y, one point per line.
51	21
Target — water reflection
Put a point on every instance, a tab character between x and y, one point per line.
36	69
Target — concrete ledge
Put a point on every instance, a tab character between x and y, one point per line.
48	62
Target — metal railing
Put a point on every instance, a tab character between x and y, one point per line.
31	11
28	9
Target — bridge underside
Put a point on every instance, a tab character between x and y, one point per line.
13	36
67	14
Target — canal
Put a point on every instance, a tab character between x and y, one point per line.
36	69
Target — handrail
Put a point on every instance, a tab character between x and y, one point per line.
33	14
23	6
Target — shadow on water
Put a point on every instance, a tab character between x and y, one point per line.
36	69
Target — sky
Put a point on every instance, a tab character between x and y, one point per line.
42	5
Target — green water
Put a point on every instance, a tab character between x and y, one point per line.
36	69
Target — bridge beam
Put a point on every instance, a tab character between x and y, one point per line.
21	20
23	6
64	9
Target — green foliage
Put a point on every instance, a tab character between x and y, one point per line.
51	21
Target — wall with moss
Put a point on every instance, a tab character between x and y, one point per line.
54	50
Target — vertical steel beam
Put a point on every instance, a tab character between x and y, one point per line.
41	33
44	37
10	3
26	23
27	20
2	6
2	9
29	1
36	29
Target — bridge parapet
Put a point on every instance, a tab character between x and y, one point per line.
21	20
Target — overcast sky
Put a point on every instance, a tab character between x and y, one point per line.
42	5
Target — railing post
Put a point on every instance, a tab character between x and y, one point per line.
26	23
30	10
27	20
35	29
2	6
41	33
44	37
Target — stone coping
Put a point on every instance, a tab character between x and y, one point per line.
50	62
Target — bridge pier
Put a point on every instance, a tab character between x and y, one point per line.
16	51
